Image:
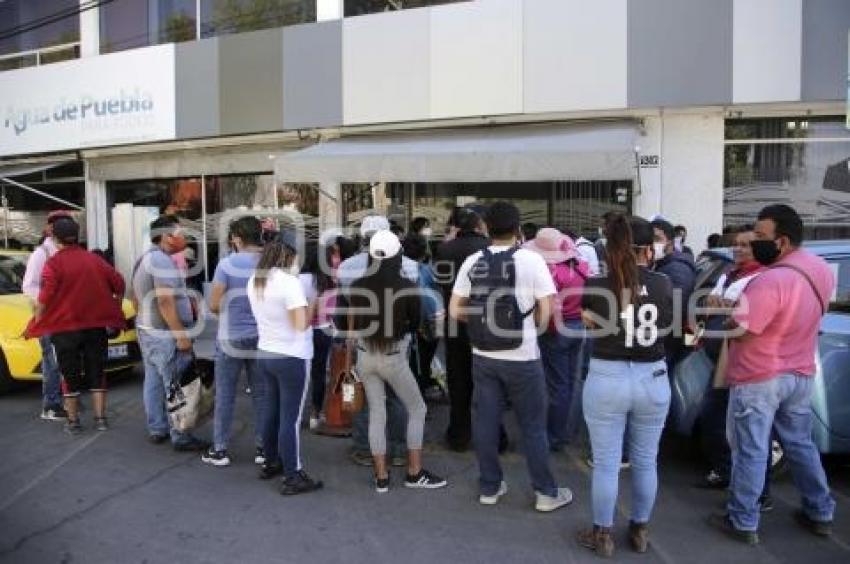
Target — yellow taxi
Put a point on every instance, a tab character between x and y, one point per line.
20	358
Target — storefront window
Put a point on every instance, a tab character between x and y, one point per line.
802	162
23	213
128	24
201	204
360	7
573	206
56	40
220	17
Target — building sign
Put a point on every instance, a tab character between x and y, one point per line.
649	161
100	101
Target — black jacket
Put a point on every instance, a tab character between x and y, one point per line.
450	257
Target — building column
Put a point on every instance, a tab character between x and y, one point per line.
89	30
97	226
329	10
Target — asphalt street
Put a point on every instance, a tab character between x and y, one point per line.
113	497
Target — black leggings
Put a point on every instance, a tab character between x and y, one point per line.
81	356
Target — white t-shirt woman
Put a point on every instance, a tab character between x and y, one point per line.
283	293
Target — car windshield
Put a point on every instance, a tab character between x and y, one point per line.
12	268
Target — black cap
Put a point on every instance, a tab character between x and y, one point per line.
66	230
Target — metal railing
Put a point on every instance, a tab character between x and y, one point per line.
38	57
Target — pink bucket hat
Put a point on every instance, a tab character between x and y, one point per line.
553	246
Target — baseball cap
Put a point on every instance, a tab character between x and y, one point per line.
66	230
373	223
384	244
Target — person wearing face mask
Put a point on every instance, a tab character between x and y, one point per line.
725	295
770	371
162	323
682	272
680	236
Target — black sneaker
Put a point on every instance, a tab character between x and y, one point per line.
73	427
723	523
54	413
215	457
299	483
382	485
765	504
157	439
259	456
819	528
425	481
192	444
270	469
101	424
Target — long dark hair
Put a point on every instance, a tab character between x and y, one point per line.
275	254
622	261
312	265
383	281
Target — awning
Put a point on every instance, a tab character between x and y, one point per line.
604	151
13	170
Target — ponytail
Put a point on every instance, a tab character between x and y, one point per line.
622	261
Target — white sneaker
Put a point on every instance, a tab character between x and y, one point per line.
547	503
494	499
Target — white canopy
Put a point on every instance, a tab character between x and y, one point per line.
498	154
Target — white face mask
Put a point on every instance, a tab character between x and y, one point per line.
426	232
678	242
600	232
658	250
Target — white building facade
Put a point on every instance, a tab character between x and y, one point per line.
700	111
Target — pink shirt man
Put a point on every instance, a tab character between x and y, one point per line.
782	316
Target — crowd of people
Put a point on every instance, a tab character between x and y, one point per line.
527	317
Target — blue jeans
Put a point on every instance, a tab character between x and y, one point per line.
561	356
286	392
227	371
495	382
783	403
617	394
163	363
50	394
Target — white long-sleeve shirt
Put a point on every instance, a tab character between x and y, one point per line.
32	277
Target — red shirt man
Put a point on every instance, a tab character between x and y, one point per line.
80	297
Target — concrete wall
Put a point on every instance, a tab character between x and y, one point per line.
687	188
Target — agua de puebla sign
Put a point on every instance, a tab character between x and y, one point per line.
99	101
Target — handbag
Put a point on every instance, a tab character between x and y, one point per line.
351	387
191	397
719	380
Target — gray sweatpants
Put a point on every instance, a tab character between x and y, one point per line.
378	369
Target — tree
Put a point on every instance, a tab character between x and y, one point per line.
236	16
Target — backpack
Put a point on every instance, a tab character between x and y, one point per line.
494	319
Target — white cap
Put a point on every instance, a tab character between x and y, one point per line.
373	223
384	244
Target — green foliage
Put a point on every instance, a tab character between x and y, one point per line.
236	16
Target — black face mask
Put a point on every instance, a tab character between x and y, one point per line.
765	251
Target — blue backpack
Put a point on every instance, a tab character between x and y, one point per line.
494	319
